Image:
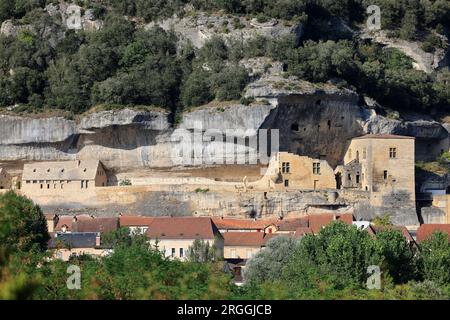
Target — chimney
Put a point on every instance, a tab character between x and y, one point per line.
97	240
74	224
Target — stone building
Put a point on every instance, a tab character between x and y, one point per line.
66	245
290	171
74	175
381	164
175	235
5	179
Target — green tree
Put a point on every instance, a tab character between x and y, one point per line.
338	256
323	60
22	224
268	264
398	255
196	89
229	83
201	252
382	221
435	258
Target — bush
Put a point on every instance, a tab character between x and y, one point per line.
228	84
125	182
431	42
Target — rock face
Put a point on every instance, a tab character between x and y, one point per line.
312	120
202	27
69	15
20	130
424	61
9	29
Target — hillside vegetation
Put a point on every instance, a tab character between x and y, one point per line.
48	66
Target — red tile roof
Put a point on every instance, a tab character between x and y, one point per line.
68	220
318	221
182	228
135	221
86	223
98	224
293	224
242	224
383	136
375	229
426	230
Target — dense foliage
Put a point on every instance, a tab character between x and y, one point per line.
47	65
23	230
334	265
22	224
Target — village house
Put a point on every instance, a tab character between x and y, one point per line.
54	176
175	235
243	245
290	171
381	164
67	245
245	225
136	224
81	224
5	179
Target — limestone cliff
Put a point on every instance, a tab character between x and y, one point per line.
312	120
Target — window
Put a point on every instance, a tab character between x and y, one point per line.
173	253
82	184
87	183
286	167
181	252
364	153
286	183
385	174
316	168
392	153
